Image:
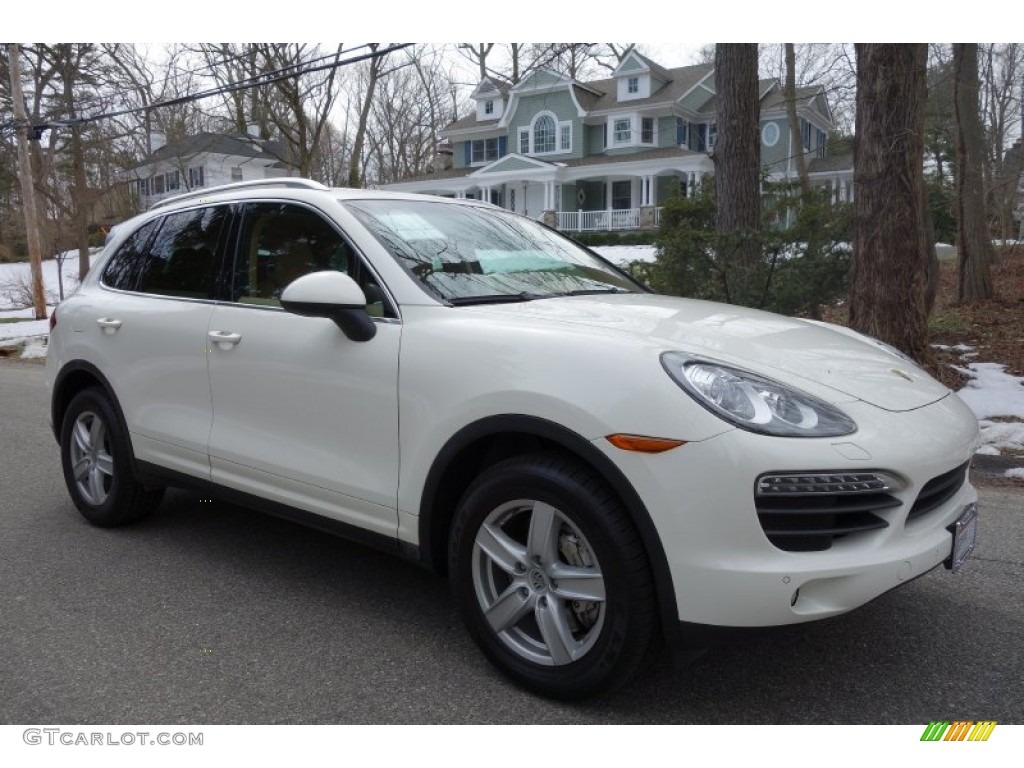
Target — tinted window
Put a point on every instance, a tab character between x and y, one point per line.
122	271
182	257
282	242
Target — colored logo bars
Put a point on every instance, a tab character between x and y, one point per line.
958	730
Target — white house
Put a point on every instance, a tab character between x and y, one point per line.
206	160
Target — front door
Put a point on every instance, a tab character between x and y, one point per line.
302	415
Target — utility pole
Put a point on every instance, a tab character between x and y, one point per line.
28	192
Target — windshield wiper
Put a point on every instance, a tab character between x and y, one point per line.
593	291
493	298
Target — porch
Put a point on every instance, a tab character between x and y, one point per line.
609	220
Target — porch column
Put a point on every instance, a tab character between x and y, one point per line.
608	194
652	195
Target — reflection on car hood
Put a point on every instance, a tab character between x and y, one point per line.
772	344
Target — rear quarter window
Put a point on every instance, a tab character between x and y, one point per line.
123	269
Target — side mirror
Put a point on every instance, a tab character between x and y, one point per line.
333	295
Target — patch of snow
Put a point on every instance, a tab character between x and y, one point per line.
24	330
1017	472
20	272
992	392
27	313
627	254
34	349
1005	435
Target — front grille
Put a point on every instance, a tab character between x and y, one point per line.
807	512
938	491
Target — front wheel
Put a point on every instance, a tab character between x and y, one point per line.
97	462
551	577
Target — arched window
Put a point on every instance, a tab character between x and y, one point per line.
544	134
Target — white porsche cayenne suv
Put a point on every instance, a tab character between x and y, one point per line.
599	470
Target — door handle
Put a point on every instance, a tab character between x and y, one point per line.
109	325
224	339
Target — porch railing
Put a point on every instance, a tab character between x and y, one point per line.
594	221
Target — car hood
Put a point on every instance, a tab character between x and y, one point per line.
850	364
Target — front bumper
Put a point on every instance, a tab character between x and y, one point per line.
726	573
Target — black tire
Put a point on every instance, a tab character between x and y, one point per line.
540	633
93	443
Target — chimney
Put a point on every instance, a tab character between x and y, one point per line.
445	154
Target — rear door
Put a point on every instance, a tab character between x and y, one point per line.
151	333
303	415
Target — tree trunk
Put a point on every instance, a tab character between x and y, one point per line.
28	193
737	157
974	247
890	263
795	138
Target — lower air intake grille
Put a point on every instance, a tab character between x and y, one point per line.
938	491
806	513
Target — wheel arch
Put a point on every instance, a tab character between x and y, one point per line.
75	376
494	438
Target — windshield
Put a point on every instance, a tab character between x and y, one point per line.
466	254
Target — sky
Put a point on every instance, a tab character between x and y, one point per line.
657	23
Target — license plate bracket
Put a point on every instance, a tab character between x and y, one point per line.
965	536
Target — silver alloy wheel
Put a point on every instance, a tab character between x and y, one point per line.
538	582
91	463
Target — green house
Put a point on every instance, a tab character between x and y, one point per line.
600	155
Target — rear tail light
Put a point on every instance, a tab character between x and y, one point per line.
53	319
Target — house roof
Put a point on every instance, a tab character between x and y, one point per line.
656	69
219	144
597	95
649	154
679	81
777	98
830	163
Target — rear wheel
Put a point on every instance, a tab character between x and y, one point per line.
551	577
97	463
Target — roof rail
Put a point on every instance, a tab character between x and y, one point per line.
284	181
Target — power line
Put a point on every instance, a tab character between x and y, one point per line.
250	82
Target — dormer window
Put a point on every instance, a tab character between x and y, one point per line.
633	85
489	107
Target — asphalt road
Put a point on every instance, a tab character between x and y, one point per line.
208	613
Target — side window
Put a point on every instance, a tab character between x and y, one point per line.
122	271
182	258
281	242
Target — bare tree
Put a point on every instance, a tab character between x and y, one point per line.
890	263
1002	75
974	248
373	71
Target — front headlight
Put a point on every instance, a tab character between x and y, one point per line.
754	402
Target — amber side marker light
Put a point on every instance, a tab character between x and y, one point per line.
642	444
